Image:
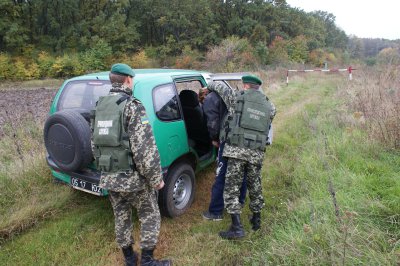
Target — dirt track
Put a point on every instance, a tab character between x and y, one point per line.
18	105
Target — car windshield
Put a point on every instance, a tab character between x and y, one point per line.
83	94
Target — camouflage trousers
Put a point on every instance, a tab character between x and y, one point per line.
145	202
233	182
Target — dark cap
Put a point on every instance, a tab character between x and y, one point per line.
251	79
122	69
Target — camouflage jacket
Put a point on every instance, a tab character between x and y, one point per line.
144	150
229	97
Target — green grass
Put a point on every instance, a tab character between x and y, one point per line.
317	149
80	235
27	192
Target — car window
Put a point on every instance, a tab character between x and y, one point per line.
82	94
235	84
166	103
193	85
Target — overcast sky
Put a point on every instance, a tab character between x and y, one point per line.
365	19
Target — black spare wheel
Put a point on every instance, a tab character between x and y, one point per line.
67	140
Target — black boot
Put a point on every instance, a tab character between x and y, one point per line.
130	256
256	221
148	260
236	230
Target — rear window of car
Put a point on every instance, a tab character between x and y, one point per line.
82	94
166	103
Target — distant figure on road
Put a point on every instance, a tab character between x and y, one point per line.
126	153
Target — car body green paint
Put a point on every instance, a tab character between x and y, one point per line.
171	137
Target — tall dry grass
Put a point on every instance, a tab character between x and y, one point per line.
27	194
376	102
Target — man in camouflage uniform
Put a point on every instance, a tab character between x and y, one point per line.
136	186
216	113
241	159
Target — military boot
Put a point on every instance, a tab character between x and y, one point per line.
256	221
235	231
148	260
130	256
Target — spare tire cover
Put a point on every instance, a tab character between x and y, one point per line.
67	140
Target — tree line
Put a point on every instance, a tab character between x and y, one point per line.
60	26
69	37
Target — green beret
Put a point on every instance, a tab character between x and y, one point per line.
251	79
122	69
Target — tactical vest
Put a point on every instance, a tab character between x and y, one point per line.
112	150
250	124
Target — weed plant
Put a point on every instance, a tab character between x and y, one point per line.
375	100
27	194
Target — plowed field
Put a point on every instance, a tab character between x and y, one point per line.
18	105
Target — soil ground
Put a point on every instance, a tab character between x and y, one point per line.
18	105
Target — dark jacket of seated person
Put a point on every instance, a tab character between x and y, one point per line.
215	111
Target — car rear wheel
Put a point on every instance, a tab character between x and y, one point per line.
67	140
178	193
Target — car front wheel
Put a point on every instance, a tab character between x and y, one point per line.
178	193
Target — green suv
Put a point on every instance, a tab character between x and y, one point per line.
179	125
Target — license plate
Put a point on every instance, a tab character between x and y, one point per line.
86	186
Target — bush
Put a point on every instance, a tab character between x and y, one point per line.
67	66
98	57
389	56
45	63
18	72
231	55
261	52
5	63
32	71
138	60
298	49
189	59
278	54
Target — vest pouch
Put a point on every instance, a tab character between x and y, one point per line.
234	136
250	140
121	161
105	163
263	142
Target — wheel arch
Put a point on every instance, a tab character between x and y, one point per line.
189	157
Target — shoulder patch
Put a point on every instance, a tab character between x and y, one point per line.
144	119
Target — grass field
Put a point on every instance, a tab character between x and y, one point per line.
332	197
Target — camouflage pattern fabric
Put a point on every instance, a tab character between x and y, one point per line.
233	182
144	150
252	156
240	160
227	95
134	188
145	202
229	98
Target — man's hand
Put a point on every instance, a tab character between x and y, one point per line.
215	143
160	186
